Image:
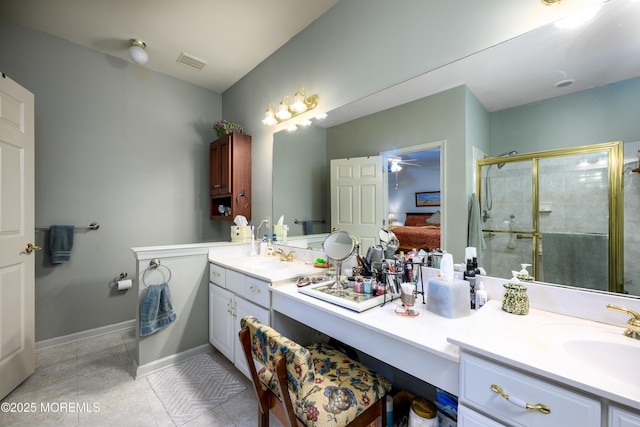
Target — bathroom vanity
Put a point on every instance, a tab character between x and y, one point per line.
240	286
571	371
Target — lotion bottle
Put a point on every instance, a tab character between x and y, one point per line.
481	296
263	244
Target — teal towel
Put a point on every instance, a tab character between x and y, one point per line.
156	310
60	243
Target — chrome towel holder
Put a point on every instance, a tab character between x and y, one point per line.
155	265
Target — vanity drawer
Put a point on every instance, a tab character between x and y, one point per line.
568	408
217	275
235	281
256	291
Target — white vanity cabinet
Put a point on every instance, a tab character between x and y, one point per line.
485	386
233	295
619	417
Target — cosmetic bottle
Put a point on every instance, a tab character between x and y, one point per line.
481	296
263	244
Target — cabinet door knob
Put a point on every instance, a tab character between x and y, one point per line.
519	402
255	290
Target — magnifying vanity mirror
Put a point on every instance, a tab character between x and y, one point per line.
339	246
547	89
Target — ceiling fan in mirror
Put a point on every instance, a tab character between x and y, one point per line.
395	165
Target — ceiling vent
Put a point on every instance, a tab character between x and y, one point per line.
191	61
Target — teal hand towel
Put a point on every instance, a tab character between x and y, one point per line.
60	243
156	310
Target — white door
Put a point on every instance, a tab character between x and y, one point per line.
17	230
356	198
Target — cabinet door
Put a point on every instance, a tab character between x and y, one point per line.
470	418
221	321
220	166
224	164
245	308
619	417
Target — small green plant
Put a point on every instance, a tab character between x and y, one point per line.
223	127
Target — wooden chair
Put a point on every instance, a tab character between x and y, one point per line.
313	386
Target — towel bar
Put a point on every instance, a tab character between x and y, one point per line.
297	221
92	226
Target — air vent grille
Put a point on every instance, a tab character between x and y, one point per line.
191	61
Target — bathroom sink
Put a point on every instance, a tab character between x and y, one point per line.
267	264
596	348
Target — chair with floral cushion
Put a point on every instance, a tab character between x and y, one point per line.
314	386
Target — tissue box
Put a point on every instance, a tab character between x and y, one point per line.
281	231
449	299
240	234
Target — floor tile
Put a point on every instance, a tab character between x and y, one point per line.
93	379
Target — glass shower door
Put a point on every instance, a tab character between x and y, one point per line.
574	220
506	204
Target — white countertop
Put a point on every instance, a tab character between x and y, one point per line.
536	343
270	269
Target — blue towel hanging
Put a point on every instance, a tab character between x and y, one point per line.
156	310
60	243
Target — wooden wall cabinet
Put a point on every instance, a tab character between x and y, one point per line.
230	176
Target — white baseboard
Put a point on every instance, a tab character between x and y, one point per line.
156	365
83	335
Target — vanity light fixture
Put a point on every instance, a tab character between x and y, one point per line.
550	2
284	112
288	109
137	51
270	117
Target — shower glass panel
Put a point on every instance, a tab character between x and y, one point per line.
560	211
574	220
507	206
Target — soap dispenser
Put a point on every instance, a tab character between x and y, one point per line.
263	244
523	274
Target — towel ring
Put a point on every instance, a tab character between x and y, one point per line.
242	194
154	264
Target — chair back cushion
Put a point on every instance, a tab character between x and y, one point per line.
266	345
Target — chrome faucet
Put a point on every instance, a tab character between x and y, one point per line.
633	326
284	257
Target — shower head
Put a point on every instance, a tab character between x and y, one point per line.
508	153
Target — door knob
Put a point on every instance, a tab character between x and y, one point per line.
30	248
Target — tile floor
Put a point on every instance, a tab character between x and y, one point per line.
97	371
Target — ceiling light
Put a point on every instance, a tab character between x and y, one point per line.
287	109
137	51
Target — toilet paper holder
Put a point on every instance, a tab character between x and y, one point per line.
122	275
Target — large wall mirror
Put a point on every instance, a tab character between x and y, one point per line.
548	89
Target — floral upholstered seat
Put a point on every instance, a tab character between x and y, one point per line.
326	388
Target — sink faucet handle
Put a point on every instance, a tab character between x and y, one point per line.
633	326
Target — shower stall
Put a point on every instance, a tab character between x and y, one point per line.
557	211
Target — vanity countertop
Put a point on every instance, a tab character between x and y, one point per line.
541	342
270	269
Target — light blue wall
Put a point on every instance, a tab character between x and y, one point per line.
435	118
360	47
603	114
117	144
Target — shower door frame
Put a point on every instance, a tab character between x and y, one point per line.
615	151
